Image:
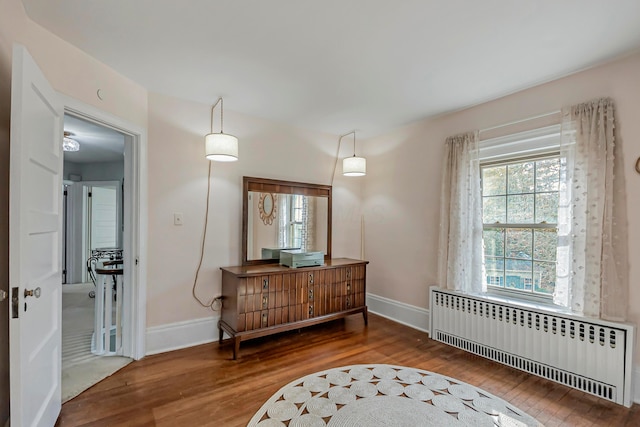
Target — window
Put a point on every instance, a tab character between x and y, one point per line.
291	221
504	239
296	220
520	215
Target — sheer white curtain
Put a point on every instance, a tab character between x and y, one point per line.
592	251
461	265
308	223
283	220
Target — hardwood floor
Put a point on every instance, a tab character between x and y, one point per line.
202	386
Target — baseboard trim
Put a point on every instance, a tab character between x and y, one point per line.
179	335
406	314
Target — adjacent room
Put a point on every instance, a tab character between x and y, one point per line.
334	213
93	206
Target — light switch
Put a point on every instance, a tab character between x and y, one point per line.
177	218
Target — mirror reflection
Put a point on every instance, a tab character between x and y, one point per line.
279	215
299	222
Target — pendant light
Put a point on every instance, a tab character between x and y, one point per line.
353	166
69	144
220	147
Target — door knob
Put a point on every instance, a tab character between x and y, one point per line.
33	292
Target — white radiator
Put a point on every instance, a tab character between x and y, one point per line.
590	355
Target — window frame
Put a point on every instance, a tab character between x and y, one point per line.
293	227
511	293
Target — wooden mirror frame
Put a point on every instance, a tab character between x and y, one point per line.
274	186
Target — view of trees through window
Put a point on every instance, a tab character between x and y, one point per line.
520	215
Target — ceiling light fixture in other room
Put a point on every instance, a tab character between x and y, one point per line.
69	144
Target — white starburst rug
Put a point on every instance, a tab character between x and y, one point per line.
385	395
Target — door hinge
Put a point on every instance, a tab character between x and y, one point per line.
3	295
136	261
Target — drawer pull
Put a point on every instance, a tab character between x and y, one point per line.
349	273
310	294
310	311
265	283
348	287
348	302
265	302
311	278
264	319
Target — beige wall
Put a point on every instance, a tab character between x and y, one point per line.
402	190
72	73
178	182
177	168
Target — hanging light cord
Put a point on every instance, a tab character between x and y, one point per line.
216	303
335	165
221	102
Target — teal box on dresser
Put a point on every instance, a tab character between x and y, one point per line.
299	258
274	253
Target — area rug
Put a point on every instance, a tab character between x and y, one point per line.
385	395
81	369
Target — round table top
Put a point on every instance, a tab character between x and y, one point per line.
110	268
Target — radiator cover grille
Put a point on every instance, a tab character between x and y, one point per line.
586	354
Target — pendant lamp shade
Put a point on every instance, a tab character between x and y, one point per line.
354	166
221	147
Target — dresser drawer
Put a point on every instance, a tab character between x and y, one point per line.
259	301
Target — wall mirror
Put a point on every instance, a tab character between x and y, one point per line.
280	215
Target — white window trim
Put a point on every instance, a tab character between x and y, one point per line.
535	143
531	143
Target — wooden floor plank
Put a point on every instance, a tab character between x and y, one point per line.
203	386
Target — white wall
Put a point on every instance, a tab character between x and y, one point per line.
402	189
96	171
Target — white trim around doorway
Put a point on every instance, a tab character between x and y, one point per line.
135	221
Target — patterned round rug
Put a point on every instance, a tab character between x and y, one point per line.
385	395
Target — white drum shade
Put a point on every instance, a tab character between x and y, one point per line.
221	147
354	166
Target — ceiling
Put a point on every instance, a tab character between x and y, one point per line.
338	65
97	143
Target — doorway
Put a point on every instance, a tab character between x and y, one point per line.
93	206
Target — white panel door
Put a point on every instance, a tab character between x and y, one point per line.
35	223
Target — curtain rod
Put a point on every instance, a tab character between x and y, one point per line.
515	122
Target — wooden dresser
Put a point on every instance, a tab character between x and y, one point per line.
260	300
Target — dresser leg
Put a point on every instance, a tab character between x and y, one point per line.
365	315
236	347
